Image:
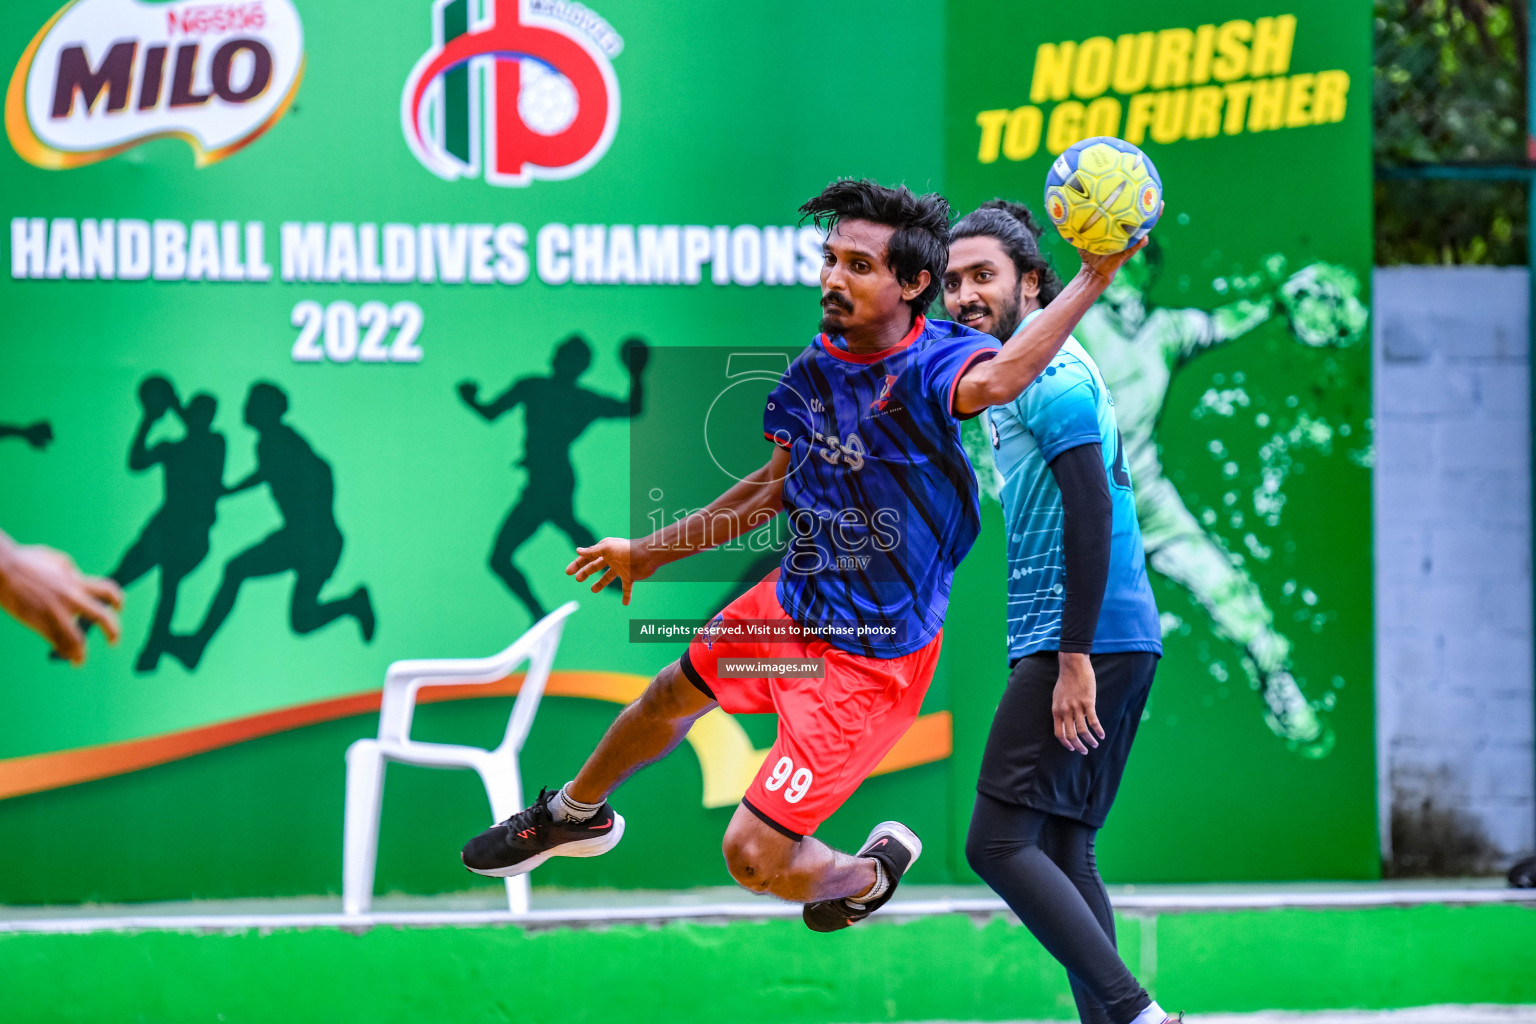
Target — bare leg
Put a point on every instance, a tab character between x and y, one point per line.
763	859
759	858
645	731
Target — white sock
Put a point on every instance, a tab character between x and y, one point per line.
563	808
880	888
1153	1014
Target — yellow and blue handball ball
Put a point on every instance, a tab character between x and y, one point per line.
1103	195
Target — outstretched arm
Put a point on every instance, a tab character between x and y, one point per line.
747	505
1195	330
502	404
1025	356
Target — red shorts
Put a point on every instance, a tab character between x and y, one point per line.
833	731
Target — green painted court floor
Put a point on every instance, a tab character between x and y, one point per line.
721	956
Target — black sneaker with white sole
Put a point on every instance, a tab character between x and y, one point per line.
897	848
532	836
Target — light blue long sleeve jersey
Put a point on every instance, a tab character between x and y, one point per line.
1066	406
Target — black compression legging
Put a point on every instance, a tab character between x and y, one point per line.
1043	868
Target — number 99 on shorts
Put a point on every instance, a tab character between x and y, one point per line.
799	781
343	332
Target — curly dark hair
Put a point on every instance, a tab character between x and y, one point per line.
1015	229
920	240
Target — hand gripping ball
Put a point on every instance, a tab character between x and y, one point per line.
1103	195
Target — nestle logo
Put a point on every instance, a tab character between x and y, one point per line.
200	18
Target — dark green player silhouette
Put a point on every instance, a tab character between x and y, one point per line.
38	434
556	411
176	537
308	544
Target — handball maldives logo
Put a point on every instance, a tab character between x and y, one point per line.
513	90
103	76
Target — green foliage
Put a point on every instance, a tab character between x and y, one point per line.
1450	80
1450	88
1451	222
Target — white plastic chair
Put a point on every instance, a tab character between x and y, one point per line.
498	768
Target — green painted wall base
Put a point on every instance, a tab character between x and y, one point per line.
766	972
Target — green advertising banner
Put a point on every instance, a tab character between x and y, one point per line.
1236	351
330	331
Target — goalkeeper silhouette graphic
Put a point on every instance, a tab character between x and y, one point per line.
1139	348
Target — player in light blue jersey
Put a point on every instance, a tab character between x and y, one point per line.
1068	408
1083	631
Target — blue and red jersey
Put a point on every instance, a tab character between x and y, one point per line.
881	499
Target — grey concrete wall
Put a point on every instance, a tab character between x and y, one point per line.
1456	763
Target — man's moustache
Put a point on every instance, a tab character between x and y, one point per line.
837	302
974	308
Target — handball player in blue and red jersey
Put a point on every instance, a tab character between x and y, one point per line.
866	458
